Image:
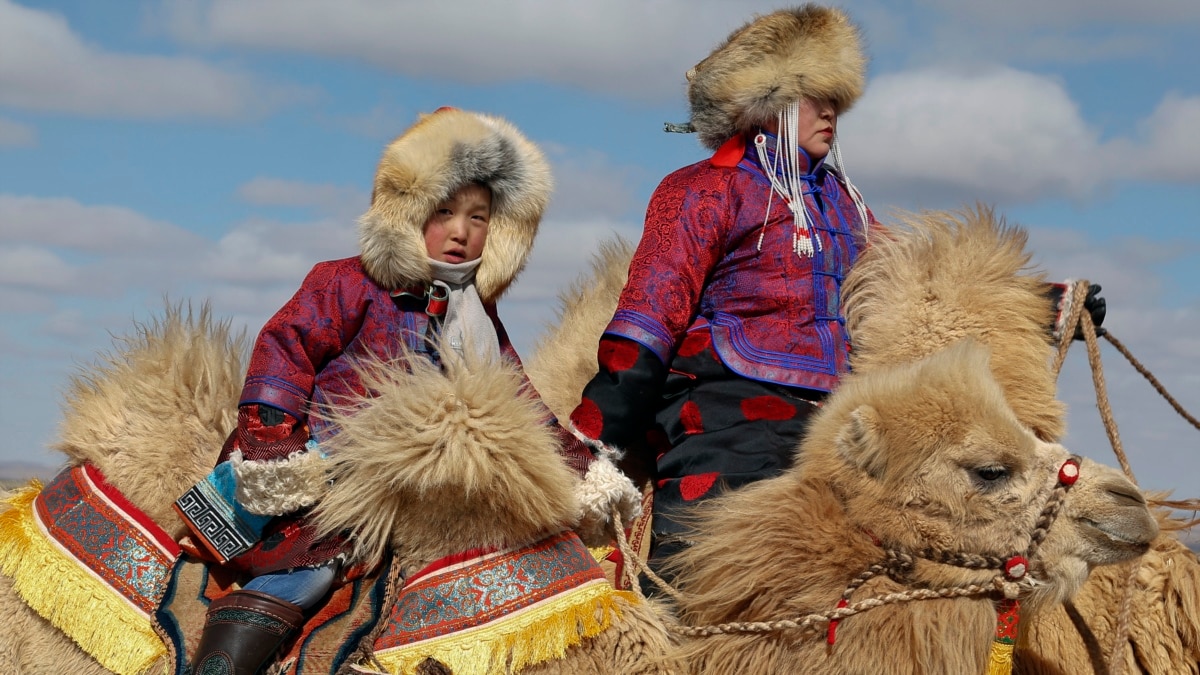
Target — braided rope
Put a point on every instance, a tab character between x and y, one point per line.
1116	662
632	561
816	621
896	564
1162	391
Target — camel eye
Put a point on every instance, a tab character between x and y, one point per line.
991	474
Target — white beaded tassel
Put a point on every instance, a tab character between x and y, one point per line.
860	205
791	186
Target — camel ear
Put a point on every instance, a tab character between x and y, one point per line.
861	441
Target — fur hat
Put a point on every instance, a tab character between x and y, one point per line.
428	163
809	51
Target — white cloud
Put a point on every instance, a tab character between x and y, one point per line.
941	135
328	199
65	223
588	184
35	268
996	134
46	66
629	47
1171	143
1072	12
16	134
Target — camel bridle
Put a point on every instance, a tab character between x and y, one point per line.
1011	582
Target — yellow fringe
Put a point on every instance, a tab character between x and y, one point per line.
512	644
1000	660
101	622
599	553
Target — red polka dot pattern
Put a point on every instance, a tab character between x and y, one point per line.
588	419
693	423
695	343
617	355
767	408
694	487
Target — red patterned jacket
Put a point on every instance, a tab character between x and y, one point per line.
711	259
307	350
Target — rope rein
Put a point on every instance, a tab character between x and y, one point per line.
1011	582
1078	317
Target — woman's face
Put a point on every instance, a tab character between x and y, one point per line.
815	128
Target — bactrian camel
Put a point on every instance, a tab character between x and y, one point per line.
439	464
905	457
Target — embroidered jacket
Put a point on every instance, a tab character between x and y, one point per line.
718	255
307	350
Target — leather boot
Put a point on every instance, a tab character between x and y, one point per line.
242	631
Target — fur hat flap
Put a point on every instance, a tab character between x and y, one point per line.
807	52
437	156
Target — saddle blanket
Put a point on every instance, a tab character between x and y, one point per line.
498	611
91	563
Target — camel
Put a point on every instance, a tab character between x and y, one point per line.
478	470
151	416
415	483
944	299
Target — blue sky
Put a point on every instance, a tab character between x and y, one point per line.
215	150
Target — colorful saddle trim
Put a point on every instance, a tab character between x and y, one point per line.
91	563
499	611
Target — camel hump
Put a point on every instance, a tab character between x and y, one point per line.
152	413
564	357
937	277
443	458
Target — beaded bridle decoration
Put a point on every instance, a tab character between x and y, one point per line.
1010	583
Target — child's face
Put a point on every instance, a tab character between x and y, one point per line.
458	228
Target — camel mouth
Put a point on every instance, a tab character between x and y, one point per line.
1137	541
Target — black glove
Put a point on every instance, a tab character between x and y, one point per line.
1095	306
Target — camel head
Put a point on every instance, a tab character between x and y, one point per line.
929	455
153	414
444	461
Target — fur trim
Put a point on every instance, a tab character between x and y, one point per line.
280	486
603	487
806	52
438	155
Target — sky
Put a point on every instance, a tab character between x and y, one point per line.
215	150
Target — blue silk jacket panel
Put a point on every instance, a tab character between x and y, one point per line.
713	257
307	350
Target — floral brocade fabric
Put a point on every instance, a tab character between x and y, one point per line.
719	253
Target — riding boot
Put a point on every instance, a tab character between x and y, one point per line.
242	631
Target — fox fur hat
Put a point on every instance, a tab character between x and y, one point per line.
807	52
444	151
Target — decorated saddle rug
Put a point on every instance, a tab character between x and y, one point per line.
91	563
497	611
328	638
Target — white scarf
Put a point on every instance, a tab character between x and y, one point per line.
465	321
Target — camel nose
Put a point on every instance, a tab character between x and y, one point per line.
1125	493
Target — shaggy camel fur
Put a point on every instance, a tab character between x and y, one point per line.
951	276
152	416
926	454
481	469
1164	626
564	357
959	274
946	276
443	462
